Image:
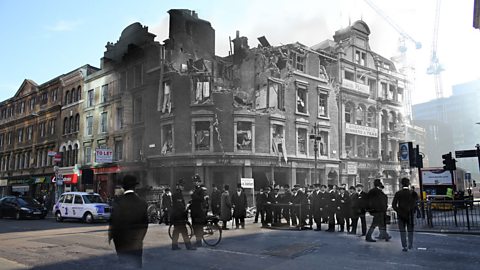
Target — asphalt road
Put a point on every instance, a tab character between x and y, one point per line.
45	244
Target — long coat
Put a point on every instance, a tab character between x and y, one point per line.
239	203
197	208
404	204
216	200
358	203
225	207
343	202
377	201
128	223
178	214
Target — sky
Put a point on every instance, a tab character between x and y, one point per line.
41	40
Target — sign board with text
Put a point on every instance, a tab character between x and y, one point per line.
361	130
436	177
352	168
247	182
103	155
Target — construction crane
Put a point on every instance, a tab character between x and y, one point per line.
435	67
402	49
403	35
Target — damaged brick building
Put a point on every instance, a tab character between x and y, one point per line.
246	115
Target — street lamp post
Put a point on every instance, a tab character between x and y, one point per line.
315	137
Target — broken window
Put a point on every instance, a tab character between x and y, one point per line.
167	104
302	141
323	144
400	94
278	141
298	61
271	96
360	115
348	75
202	135
322	104
371	119
302	99
167	139
348	113
202	89
244	136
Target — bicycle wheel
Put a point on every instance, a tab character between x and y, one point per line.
189	230
212	234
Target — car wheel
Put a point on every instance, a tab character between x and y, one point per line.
88	217
58	216
18	216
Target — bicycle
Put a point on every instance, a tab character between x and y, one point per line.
212	232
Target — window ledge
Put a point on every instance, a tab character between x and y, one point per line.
302	114
323	117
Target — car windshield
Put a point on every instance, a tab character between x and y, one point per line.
92	199
27	201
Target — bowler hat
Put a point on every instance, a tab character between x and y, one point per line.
377	183
129	182
358	185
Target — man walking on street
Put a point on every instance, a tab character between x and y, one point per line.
129	224
166	206
358	205
343	207
179	217
404	204
377	205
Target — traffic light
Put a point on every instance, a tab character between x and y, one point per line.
418	158
449	162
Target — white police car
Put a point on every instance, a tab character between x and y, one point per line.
86	206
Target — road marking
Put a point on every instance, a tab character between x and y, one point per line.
238	253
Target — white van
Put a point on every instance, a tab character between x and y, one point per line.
86	206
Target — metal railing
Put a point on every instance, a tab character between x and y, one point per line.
448	215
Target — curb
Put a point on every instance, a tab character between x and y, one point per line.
440	231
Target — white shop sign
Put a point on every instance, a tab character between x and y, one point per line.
361	130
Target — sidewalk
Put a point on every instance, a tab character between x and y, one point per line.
11	265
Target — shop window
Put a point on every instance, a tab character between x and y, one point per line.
167	139
302	141
202	136
349	144
302	101
323	104
244	136
361	146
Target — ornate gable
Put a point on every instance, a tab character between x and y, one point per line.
27	87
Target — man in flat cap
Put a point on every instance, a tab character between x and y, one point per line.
129	224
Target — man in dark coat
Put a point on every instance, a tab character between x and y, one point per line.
286	200
315	207
343	209
277	209
358	204
260	201
179	217
225	207
299	202
332	207
268	207
198	211
129	224
377	206
215	200
166	206
239	204
404	203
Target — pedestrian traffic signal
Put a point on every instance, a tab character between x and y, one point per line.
449	163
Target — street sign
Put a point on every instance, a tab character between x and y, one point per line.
247	182
466	153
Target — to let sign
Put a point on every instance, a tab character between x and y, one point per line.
103	155
247	182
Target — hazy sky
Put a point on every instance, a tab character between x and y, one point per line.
43	39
